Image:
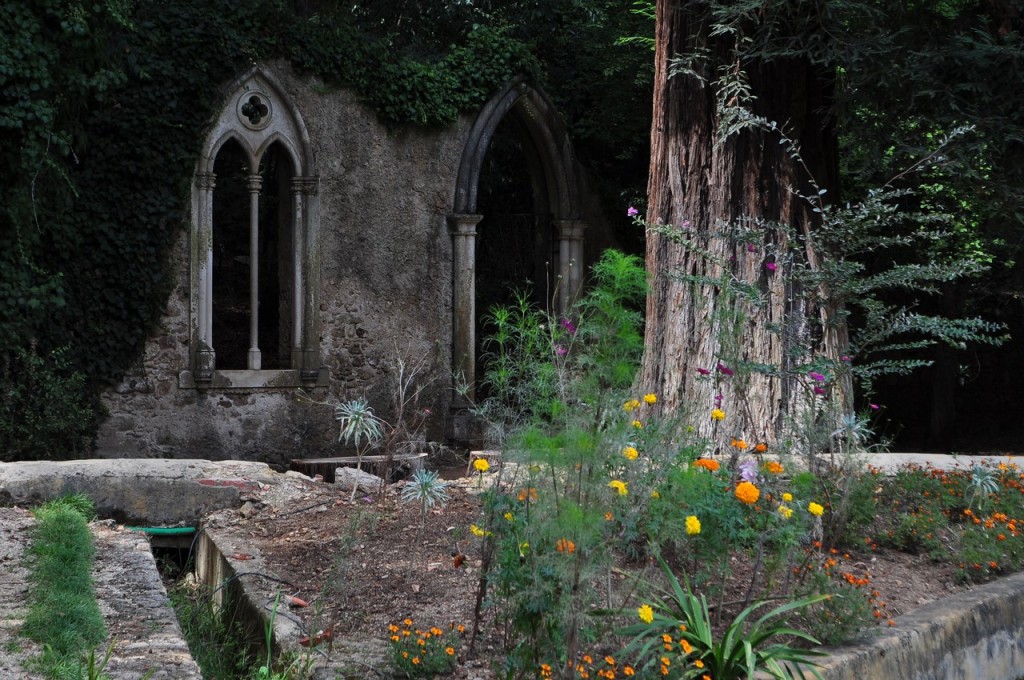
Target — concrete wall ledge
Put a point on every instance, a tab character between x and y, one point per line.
974	635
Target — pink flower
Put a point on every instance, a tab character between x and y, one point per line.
874	407
569	326
703	371
725	370
686	224
845	357
814	375
751	248
819	390
770	266
560	350
632	212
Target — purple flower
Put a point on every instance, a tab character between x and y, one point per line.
751	248
569	326
686	224
703	371
632	212
748	471
819	390
560	350
845	357
718	401
725	370
771	266
814	375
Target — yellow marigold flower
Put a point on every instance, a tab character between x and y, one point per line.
619	486
650	398
815	509
655	494
706	463
509	516
637	424
645	613
481	465
747	493
631	406
630	453
698	663
787	497
477	531
785	511
692	525
774	467
717	414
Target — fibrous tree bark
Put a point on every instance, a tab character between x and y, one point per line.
728	324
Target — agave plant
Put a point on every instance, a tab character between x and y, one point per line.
358	422
747	647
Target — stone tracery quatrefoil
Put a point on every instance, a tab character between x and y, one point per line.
254	110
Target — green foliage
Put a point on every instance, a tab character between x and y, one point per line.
426	489
745	647
215	642
64	617
45	411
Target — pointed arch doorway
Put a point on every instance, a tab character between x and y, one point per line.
527	136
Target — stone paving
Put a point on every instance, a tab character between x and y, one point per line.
139	619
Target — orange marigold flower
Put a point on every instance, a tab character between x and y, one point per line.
609	660
761	447
565	545
774	467
407	622
747	493
738	444
685	644
450	651
698	663
628	671
415	661
707	464
608	516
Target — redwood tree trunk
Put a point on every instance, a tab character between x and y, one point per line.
701	183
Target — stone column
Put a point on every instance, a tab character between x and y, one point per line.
305	190
570	261
202	250
254	184
298	252
463	230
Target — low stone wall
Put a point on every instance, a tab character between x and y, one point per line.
978	634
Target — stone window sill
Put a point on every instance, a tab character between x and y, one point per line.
253	380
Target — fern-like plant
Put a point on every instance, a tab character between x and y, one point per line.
358	422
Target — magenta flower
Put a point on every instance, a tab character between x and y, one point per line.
751	248
718	401
686	224
814	375
569	326
770	266
725	370
845	357
561	350
874	407
632	212
703	371
819	390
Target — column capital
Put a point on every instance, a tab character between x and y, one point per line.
206	180
309	186
463	224
253	183
570	230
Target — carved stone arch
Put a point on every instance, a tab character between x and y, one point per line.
551	153
257	112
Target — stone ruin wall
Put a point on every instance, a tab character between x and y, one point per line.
385	287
